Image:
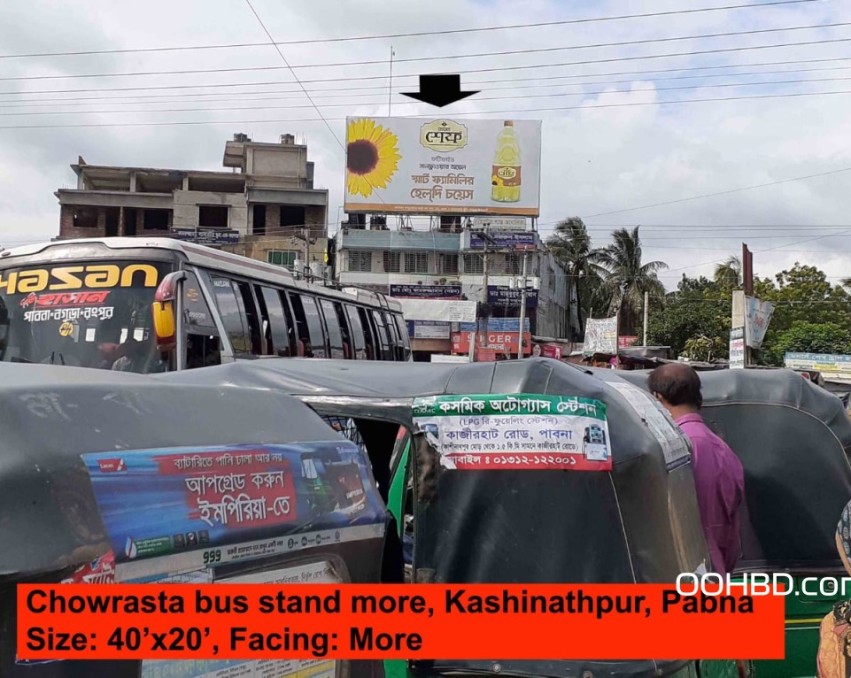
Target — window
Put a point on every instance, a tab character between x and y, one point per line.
309	324
233	317
277	324
213	216
85	217
416	262
157	220
332	323
448	263
285	258
203	343
396	344
259	220
383	337
344	328
291	216
392	262
357	332
369	331
474	264
360	262
249	309
402	331
512	264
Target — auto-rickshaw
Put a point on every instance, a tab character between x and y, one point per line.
116	477
793	438
637	522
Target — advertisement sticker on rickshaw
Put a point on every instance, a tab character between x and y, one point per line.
516	431
657	420
170	511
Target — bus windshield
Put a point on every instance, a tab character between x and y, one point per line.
95	314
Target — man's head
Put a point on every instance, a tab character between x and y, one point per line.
677	387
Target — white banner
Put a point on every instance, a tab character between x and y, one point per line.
499	224
737	348
757	316
439	310
601	336
422	165
515	432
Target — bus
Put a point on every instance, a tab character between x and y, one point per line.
156	304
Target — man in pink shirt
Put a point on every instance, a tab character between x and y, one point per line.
718	474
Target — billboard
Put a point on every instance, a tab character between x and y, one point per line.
830	365
422	166
757	317
502	295
498	224
737	348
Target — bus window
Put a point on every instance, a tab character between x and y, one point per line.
348	347
277	330
396	345
372	350
335	335
357	333
309	325
230	306
203	343
402	331
249	310
383	336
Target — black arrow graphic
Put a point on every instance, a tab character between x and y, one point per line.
440	90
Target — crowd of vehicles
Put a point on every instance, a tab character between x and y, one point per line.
398	515
156	305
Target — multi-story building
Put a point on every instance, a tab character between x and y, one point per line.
266	207
455	258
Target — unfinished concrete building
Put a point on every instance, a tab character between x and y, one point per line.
265	207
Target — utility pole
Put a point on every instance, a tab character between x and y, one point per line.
522	305
483	337
747	285
646	298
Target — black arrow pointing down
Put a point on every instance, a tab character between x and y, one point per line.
440	90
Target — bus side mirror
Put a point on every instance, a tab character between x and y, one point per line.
164	317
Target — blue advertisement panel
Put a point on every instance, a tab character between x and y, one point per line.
503	240
267	499
494	325
506	296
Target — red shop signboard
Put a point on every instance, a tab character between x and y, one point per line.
501	342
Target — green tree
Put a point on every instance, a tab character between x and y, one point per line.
807	337
696	320
728	275
571	245
800	294
628	277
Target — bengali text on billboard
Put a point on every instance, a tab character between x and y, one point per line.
421	165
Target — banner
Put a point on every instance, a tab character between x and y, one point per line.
205	235
757	316
737	348
516	432
503	241
428	329
601	336
498	224
403	165
439	310
425	291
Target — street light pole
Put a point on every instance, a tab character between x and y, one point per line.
522	306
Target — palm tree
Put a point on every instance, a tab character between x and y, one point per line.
571	245
629	278
729	274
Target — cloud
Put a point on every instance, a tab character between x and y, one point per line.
636	150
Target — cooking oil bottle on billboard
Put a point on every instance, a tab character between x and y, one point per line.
505	176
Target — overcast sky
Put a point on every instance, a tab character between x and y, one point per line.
600	156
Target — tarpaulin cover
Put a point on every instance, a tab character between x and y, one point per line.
793	438
51	521
638	523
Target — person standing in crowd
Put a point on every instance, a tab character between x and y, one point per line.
834	651
718	474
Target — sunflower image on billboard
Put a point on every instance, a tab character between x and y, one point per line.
422	166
